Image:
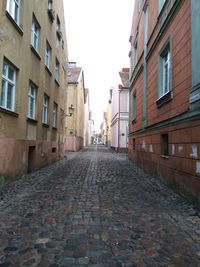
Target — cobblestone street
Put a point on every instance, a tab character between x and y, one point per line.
96	209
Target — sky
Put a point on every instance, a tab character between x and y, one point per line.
98	34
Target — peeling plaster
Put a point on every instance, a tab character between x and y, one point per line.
198	167
24	158
173	149
143	144
151	148
180	148
194	151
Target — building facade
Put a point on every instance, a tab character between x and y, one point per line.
120	113
165	92
33	60
76	97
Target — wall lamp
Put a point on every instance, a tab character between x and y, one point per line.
71	112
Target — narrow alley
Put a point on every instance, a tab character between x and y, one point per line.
96	209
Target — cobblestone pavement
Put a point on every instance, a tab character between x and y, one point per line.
96	209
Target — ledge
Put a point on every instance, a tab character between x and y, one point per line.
9	112
134	121
164	99
57	82
48	70
18	28
32	120
35	52
45	125
54	128
164	156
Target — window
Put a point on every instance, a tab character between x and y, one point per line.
48	56
31	101
50	4
165	144
58	29
57	70
164	74
35	34
45	109
133	144
134	108
135	53
54	117
161	4
13	8
8	87
139	5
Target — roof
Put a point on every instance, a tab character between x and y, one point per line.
124	75
74	74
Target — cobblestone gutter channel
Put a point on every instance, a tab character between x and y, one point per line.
96	209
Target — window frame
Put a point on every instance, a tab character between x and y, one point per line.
8	81
134	111
54	115
33	98
45	109
11	9
161	4
165	52
57	66
48	54
35	32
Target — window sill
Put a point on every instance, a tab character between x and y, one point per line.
45	125
54	128
18	28
9	112
133	121
57	82
164	99
164	156
32	120
48	70
35	52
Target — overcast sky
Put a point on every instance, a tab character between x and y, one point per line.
98	40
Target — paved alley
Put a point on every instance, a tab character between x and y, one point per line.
96	209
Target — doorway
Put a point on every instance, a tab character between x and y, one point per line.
31	159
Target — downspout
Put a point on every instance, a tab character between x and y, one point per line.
119	125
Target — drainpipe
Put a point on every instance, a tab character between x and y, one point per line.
119	124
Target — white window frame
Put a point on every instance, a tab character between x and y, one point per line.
50	4
58	27
13	8
57	64
166	73
45	109
8	82
48	56
32	101
35	34
134	107
165	69
54	115
135	51
161	4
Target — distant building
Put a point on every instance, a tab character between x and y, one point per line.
108	120
76	96
164	133
33	64
120	113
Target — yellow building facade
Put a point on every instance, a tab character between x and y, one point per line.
33	84
75	98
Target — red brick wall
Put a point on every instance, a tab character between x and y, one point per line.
179	29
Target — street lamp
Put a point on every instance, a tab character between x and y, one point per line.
71	110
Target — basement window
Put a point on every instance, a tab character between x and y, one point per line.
165	145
